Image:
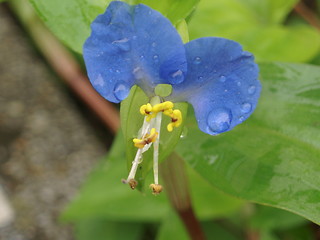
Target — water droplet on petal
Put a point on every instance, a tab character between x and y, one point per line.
176	77
200	78
153	44
197	60
121	91
137	72
122	44
141	57
222	78
246	54
252	89
219	120
98	82
117	71
241	118
238	84
156	58
246	107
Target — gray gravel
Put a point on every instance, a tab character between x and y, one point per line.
46	146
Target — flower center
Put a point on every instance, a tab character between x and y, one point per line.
150	134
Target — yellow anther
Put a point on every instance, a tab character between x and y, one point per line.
156	188
148	138
163	107
146	109
176	120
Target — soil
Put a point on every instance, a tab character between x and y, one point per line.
48	141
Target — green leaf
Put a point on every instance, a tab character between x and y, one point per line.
172	228
270	11
70	20
101	229
131	122
175	10
272	158
104	196
269	218
257	26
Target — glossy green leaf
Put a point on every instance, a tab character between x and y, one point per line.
172	228
101	229
104	196
131	122
70	20
272	158
270	11
175	10
268	218
257	27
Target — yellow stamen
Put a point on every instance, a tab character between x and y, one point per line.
176	119
156	188
148	138
163	107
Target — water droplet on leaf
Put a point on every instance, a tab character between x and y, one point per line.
184	132
219	120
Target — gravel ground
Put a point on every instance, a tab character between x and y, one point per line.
47	147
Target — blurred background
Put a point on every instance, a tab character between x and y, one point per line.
54	128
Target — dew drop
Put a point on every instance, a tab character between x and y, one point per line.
246	54
246	107
184	132
141	57
219	120
117	71
197	60
222	78
176	77
98	82
121	91
122	44
200	78
252	89
241	118
156	58
238	84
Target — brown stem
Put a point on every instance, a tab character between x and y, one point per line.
65	65
176	185
307	15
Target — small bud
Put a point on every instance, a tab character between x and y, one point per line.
156	188
132	183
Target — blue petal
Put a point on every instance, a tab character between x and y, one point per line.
133	45
222	84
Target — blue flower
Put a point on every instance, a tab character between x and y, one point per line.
136	45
